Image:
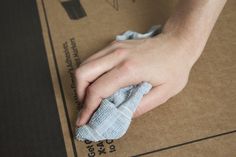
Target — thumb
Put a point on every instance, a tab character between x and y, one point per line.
157	96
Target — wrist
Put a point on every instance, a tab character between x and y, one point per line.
190	44
191	25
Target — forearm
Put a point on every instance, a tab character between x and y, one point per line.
192	23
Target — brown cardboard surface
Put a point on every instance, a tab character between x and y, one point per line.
205	108
217	147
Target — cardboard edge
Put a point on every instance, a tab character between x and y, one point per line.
68	141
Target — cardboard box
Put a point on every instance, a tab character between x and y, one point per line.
195	122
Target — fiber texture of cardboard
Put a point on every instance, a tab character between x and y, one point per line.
197	121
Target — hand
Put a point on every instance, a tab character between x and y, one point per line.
162	61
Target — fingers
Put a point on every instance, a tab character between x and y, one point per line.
105	86
157	96
91	71
99	54
110	48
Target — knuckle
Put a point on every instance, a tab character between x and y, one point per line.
77	71
79	74
91	90
115	43
120	52
128	66
163	99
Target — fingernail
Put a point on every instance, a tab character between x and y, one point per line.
78	123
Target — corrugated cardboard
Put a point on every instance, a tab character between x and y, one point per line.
190	123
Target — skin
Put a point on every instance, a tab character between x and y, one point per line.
165	61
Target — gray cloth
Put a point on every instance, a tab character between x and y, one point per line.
113	116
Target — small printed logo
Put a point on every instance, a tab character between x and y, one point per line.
115	3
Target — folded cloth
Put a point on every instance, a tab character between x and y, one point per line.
113	117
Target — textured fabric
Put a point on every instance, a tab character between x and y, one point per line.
113	117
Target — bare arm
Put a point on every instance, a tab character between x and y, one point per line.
193	21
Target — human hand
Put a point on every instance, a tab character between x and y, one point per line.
162	61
